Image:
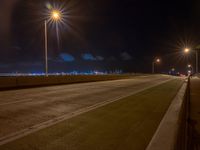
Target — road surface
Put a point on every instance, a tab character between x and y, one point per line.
22	109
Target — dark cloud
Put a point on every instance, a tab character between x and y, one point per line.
112	58
88	57
100	58
91	57
67	57
126	56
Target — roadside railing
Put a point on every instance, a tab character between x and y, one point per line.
173	131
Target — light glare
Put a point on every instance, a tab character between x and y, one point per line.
186	50
158	60
56	15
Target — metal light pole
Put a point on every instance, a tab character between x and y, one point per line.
55	16
153	65
197	62
46	48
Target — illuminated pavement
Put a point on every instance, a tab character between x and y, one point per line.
22	109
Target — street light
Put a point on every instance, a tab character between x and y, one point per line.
186	50
153	64
158	60
55	15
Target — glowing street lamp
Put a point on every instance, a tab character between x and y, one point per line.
187	50
155	61
55	15
158	60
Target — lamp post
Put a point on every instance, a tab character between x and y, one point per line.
153	64
46	48
197	58
55	16
197	62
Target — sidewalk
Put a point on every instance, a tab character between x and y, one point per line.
195	113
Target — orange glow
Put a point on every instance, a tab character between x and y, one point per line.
56	15
187	50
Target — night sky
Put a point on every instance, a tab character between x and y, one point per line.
99	35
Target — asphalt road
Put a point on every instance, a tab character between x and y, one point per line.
21	109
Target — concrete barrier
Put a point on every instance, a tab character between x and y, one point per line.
31	81
6	82
172	132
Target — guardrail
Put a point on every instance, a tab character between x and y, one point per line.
173	131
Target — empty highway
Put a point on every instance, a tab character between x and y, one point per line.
25	108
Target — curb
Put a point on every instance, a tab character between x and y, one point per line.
165	137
